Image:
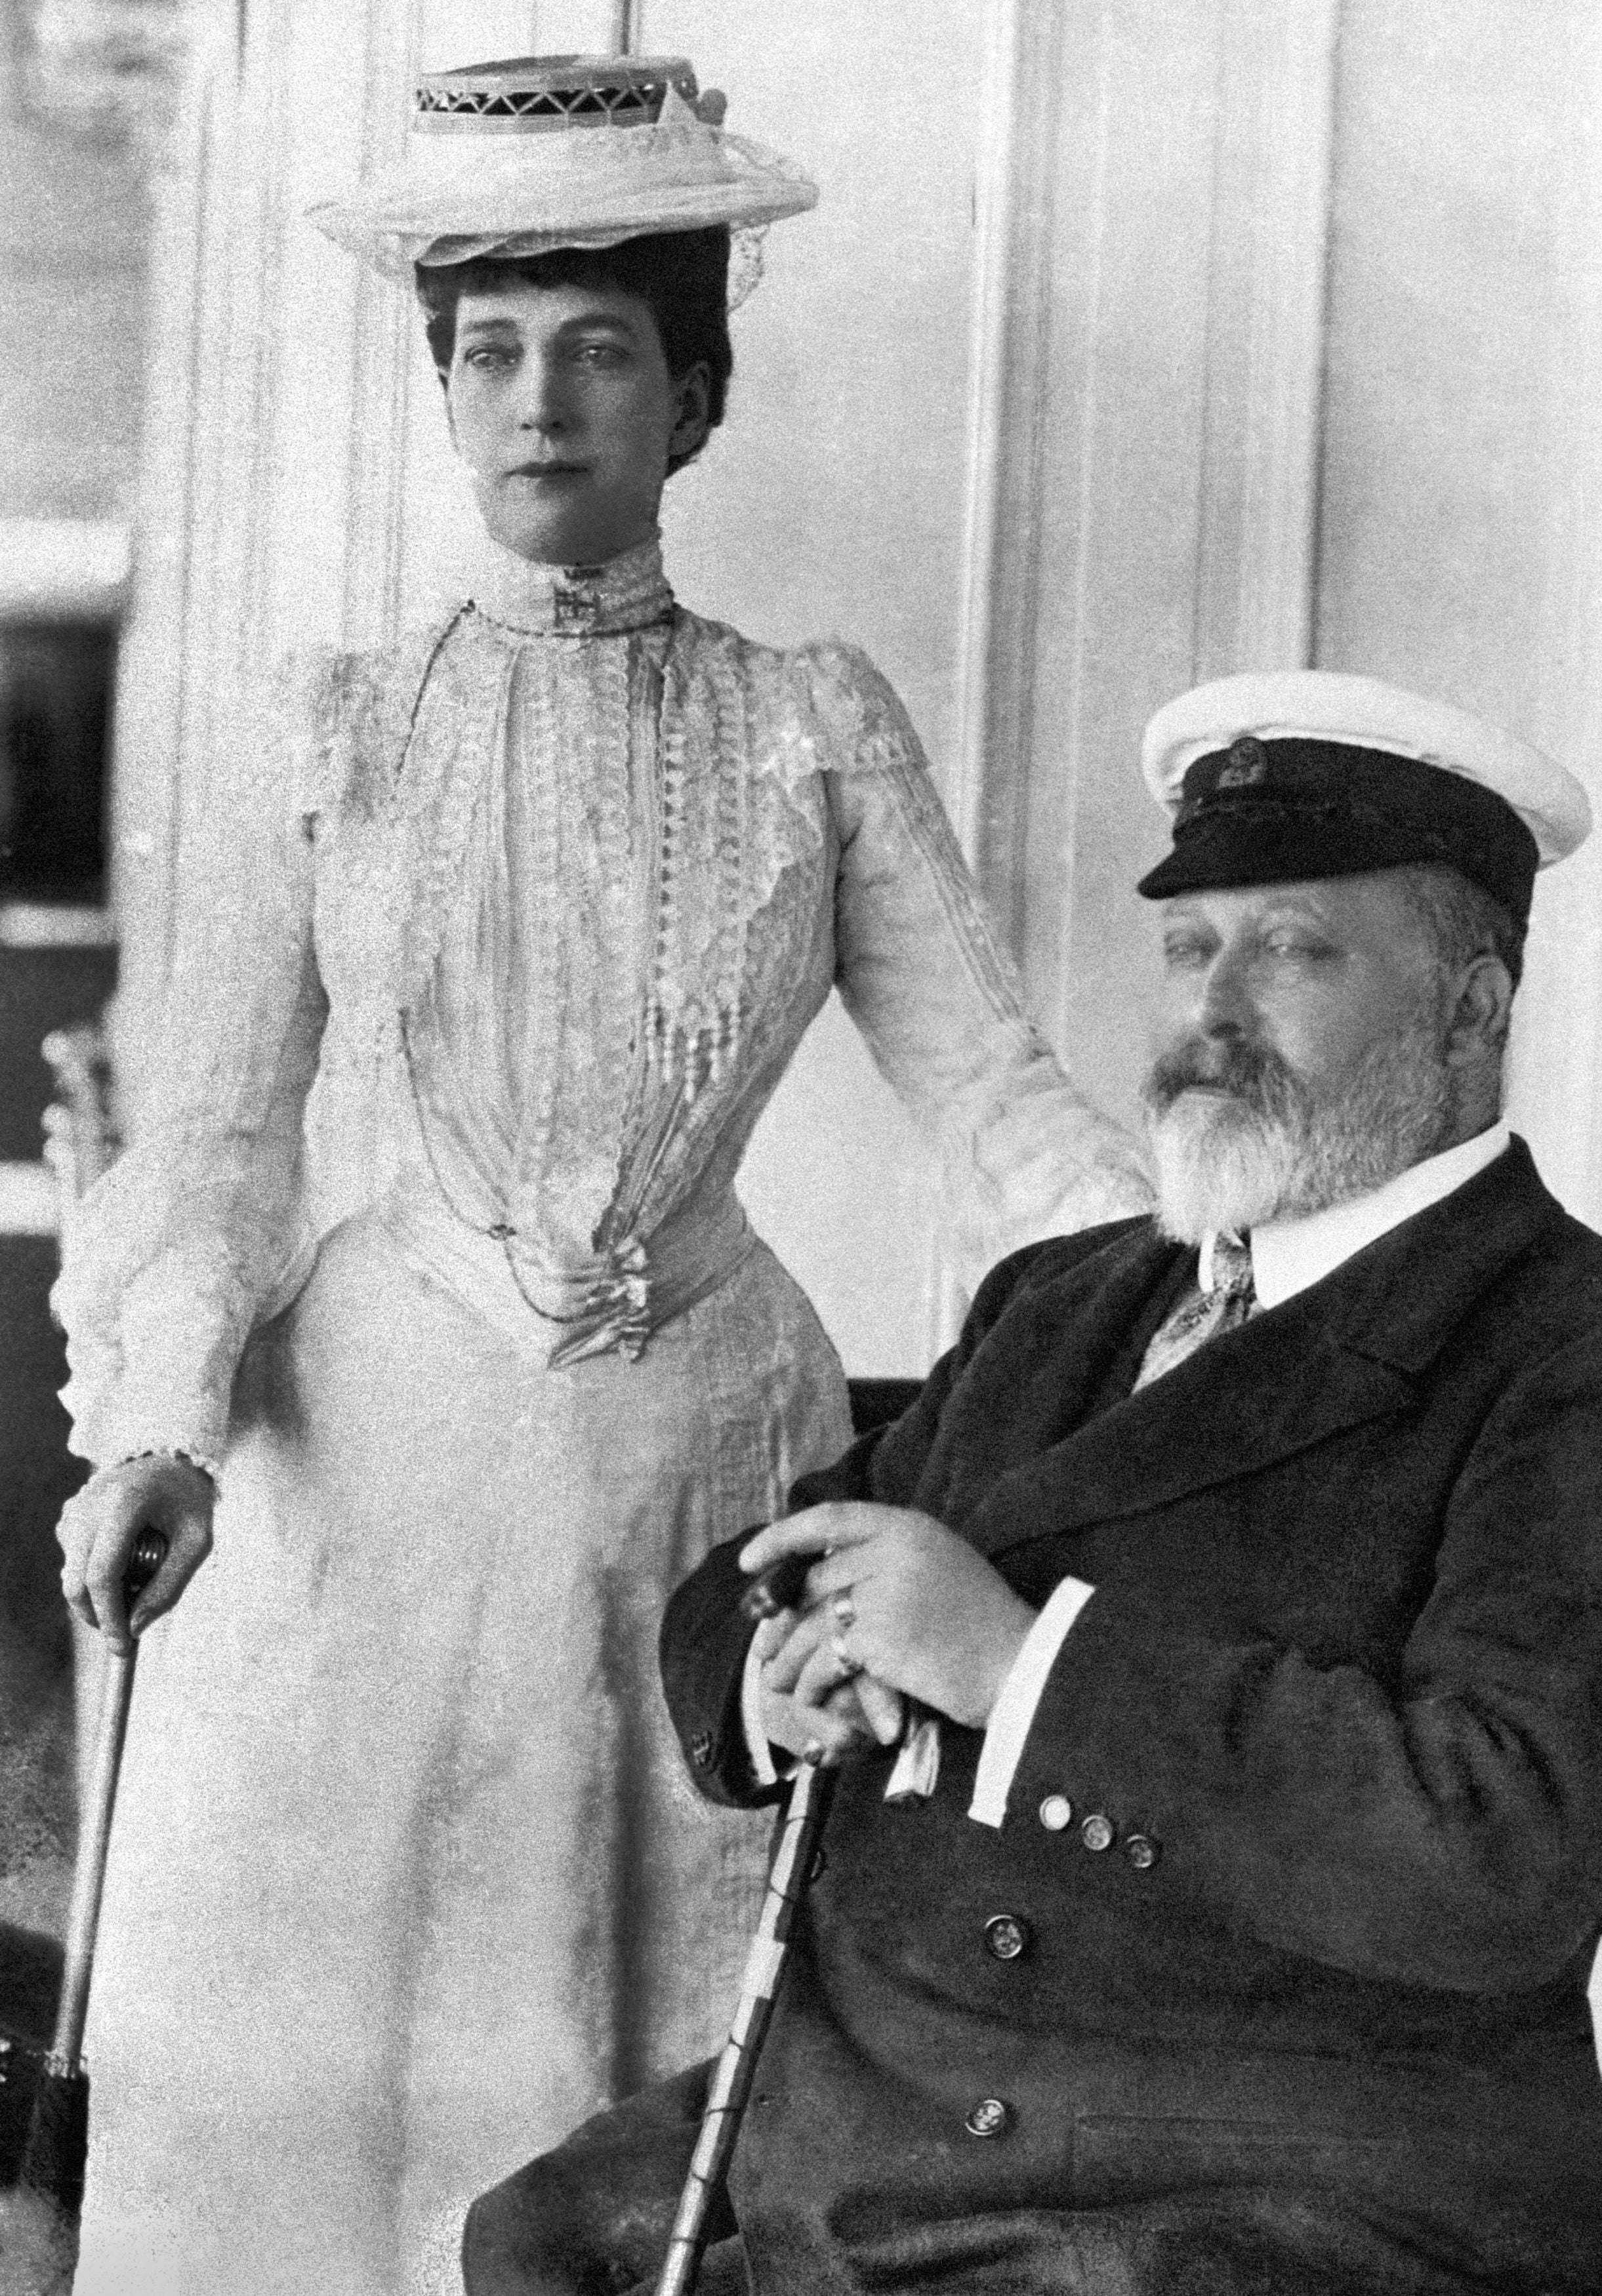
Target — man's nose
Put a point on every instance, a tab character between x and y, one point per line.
1224	1007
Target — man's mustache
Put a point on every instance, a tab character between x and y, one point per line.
1255	1074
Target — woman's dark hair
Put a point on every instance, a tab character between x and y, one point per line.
682	276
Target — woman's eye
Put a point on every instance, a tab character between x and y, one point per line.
487	354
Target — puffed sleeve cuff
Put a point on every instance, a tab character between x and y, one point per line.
1014	1709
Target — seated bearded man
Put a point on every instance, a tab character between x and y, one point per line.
1235	1935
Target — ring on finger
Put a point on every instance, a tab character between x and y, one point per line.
851	1666
845	1609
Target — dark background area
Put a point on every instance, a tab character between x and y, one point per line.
56	688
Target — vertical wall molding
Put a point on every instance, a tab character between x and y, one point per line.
1255	569
1152	215
1020	97
280	459
1019	94
1150	264
383	325
152	682
1557	1068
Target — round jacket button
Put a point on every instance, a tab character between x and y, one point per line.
1006	1936
1141	1851
988	2118
1097	1831
1057	1813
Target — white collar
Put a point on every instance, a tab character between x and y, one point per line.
524	594
1288	1255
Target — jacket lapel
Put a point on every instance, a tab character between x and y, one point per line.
1348	1350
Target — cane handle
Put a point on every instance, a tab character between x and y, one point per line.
150	1553
778	1589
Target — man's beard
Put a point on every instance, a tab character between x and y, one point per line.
1258	1146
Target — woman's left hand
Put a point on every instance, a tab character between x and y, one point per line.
909	1602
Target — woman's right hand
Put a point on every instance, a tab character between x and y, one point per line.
100	1528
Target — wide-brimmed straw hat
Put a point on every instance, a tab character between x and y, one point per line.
527	154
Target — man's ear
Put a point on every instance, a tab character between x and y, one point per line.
689	434
1479	1019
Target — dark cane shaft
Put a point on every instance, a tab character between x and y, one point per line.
89	1874
731	2081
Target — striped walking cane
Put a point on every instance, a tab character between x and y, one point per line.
737	2066
58	2138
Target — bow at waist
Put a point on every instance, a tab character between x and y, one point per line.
569	1308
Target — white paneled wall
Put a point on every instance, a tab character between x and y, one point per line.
301	487
1461	546
1045	406
1040	405
1025	408
1156	482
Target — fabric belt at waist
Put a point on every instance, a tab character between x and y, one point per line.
611	1303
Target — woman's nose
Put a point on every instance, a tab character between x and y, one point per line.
545	404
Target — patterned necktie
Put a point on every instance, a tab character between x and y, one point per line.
1201	1316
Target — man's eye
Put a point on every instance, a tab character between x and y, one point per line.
1178	956
603	355
1297	947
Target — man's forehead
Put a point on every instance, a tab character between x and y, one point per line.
1374	900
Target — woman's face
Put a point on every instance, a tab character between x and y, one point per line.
562	408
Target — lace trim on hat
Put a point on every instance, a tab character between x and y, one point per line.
525	194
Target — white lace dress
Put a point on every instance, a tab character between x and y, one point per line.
534	907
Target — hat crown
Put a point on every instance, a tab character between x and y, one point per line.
498	171
1279	776
542	95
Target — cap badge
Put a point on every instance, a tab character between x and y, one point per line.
1246	764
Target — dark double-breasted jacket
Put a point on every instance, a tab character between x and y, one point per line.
1304	1849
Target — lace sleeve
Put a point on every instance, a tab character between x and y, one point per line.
1023	1152
176	1252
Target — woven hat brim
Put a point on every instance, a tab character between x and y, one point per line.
583	188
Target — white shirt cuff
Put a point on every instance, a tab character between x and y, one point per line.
1014	1709
751	1715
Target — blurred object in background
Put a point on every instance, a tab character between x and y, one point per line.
56	691
74	236
102	67
57	968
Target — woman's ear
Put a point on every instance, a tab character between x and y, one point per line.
689	434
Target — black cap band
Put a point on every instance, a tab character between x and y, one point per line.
1278	812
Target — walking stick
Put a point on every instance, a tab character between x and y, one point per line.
58	2137
731	2081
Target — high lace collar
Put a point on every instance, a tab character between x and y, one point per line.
627	593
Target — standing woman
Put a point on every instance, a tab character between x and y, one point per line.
428	1271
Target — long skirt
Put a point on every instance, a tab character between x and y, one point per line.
407	1877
